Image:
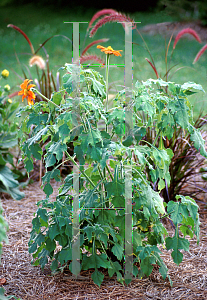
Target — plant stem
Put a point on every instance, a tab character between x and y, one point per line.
36	91
155	141
107	85
107	81
84	174
109	172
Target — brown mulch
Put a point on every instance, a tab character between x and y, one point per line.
31	283
168	28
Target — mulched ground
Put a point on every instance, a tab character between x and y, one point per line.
31	283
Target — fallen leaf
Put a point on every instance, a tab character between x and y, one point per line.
2	281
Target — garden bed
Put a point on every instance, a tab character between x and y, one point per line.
31	283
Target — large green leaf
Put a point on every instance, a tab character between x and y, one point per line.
192	85
97	277
114	267
146	265
67	185
36	151
65	255
55	173
198	140
15	193
177	243
118	251
37	136
89	199
37	118
7	177
177	210
8	140
50	160
58	149
145	103
48	190
2	297
179	109
95	261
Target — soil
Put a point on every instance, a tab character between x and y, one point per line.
31	283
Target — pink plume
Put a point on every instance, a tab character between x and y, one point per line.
111	18
105	11
186	31
155	70
200	53
91	57
93	43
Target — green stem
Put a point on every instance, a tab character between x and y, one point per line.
107	81
145	182
99	170
155	141
107	85
36	91
107	202
109	172
84	174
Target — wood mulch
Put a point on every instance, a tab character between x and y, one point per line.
31	283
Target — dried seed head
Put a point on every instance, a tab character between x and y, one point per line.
37	60
91	57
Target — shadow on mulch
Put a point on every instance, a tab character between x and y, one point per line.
31	283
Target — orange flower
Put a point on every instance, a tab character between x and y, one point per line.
26	93
109	50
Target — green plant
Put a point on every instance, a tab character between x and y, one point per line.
8	139
3	229
7	297
2	294
183	166
108	158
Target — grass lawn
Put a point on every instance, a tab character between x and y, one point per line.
39	23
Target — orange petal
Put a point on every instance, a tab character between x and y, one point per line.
30	101
30	86
23	85
100	47
31	95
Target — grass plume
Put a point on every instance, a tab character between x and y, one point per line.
105	11
88	57
153	67
24	35
117	17
203	49
94	43
186	31
38	61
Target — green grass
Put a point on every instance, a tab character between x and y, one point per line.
39	23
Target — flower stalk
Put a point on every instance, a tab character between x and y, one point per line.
37	92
